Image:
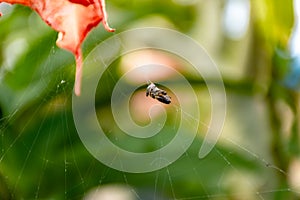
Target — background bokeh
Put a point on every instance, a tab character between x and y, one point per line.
254	43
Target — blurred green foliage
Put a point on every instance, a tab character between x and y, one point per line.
42	157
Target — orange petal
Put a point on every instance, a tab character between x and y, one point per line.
73	19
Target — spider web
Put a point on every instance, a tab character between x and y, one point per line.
210	178
41	155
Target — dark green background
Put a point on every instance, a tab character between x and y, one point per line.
42	157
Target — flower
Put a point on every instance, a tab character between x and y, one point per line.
73	19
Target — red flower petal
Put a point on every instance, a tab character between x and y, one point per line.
73	19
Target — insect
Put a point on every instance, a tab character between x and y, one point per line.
158	94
